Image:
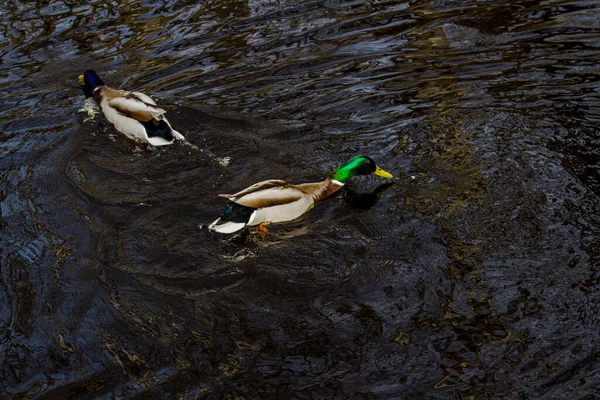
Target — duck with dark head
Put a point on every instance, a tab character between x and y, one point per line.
134	114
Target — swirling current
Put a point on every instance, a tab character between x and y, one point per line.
474	275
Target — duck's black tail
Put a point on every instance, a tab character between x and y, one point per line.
158	129
234	218
237	213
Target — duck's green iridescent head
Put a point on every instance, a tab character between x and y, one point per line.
90	81
359	165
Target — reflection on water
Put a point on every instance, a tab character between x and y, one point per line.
474	275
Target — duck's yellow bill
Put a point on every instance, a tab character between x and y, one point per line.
81	80
382	173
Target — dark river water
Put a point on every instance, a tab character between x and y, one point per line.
474	275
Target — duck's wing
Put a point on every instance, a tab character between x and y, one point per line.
266	193
133	107
283	212
141	97
130	127
268	184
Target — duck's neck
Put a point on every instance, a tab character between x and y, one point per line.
321	190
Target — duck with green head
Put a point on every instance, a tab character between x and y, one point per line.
134	114
278	201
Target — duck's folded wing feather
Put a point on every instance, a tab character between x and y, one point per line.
268	197
130	127
271	183
283	212
136	108
142	97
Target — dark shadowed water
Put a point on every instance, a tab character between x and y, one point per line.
474	275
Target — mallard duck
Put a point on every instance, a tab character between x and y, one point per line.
277	201
134	114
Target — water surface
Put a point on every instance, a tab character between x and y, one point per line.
473	275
